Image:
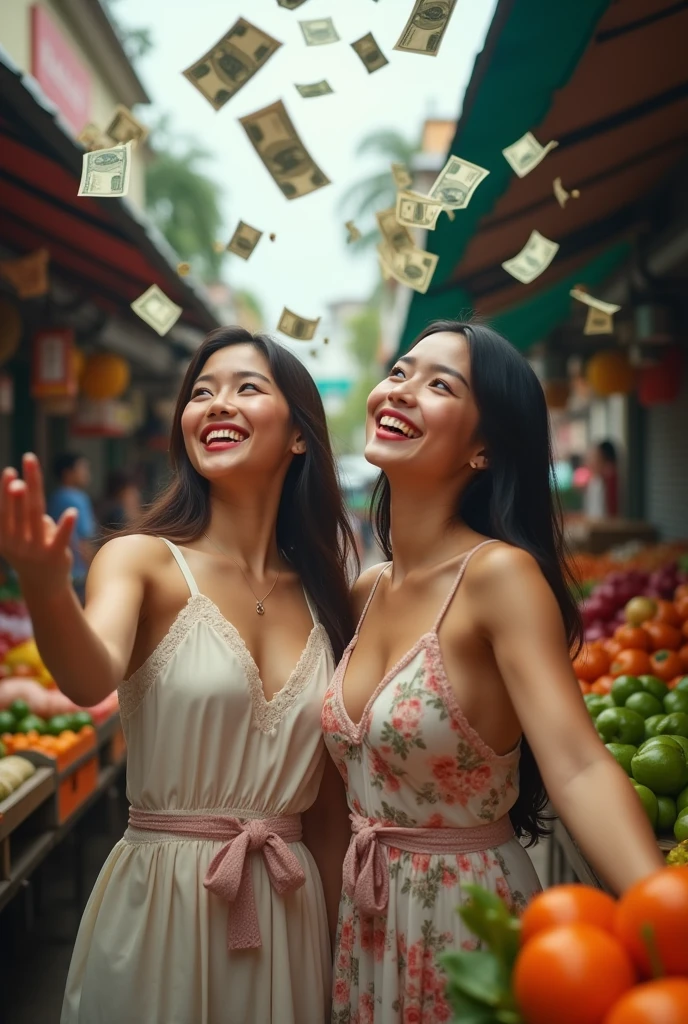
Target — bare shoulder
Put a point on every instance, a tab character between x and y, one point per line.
360	592
132	554
500	563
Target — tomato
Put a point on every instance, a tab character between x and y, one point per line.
590	663
602	685
584	687
612	647
567	904
659	901
681	606
666	665
631	662
663	636
633	636
683	655
666	612
656	1002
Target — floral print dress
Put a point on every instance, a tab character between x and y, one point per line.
415	762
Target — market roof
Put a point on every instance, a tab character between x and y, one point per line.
609	81
106	245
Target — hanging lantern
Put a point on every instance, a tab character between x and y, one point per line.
610	373
662	383
556	393
105	376
10	330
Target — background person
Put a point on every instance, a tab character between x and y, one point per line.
73	474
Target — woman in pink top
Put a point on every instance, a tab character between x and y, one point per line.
457	688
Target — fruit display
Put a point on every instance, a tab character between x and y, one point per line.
46	703
576	956
62	737
646	559
13	772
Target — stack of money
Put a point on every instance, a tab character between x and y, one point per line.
426	26
244	240
298	327
234	59
319	32
157	310
279	147
526	153
535	256
106	172
124	127
370	53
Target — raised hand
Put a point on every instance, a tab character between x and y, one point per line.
35	546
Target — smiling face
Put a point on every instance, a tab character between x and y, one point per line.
422	419
237	419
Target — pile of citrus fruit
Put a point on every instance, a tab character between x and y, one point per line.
586	958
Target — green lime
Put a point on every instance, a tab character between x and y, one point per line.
681	827
7	721
682	801
675	724
682	742
620	725
651	725
32	723
645	704
676	700
595	703
660	741
58	724
655	686
623	687
649	802
666	813
682	684
20	709
79	719
623	754
662	768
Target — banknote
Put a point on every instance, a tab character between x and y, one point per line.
598	322
27	274
91	137
279	147
156	309
561	195
298	327
401	175
535	256
224	69
124	127
456	183
354	234
526	153
316	89
426	26
219	247
605	307
291	5
244	240
396	235
417	211
106	172
411	267
183	269
319	31
370	53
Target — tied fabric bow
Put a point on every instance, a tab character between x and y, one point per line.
365	872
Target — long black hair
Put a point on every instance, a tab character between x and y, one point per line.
313	531
513	500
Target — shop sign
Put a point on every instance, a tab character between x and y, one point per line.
105	418
53	364
58	70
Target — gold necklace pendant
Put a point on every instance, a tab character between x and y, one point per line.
259	608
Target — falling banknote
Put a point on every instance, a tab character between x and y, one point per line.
370	53
298	327
401	175
316	89
156	309
526	153
561	195
124	127
319	32
417	211
605	307
411	267
396	236
354	234
244	240
235	58
291	5
535	256
426	26
106	172
281	150
456	183
598	322
91	137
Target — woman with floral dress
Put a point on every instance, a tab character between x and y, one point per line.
457	687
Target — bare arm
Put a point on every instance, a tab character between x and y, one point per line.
590	791
87	651
326	833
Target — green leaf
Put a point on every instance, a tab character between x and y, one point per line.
476	974
470	1011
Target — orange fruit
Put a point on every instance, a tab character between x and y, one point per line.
666	612
631	662
681	606
567	904
590	663
659	901
683	655
633	636
612	647
664	1001
663	636
602	685
666	665
584	687
572	974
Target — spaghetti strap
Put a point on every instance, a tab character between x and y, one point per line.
370	597
459	577
311	607
182	563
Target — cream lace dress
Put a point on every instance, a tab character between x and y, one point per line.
152	945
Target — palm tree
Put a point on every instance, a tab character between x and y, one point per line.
377	191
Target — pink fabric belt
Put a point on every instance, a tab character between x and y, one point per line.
366	872
229	873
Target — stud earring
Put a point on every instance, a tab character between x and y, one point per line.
473	465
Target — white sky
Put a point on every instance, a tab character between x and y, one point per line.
309	264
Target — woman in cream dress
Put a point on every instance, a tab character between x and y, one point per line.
224	612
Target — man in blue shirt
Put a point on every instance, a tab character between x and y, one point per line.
73	473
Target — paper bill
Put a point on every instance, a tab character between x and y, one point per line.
417	211
219	247
298	327
244	240
354	233
561	195
535	256
290	5
526	153
124	127
156	309
183	269
91	137
396	235
426	26
279	147
319	31
605	307
27	274
316	89
411	267
106	172
370	53
402	176
598	322
456	183
224	69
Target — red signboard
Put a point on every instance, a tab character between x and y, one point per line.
58	70
53	364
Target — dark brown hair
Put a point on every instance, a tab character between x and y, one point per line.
514	500
313	531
